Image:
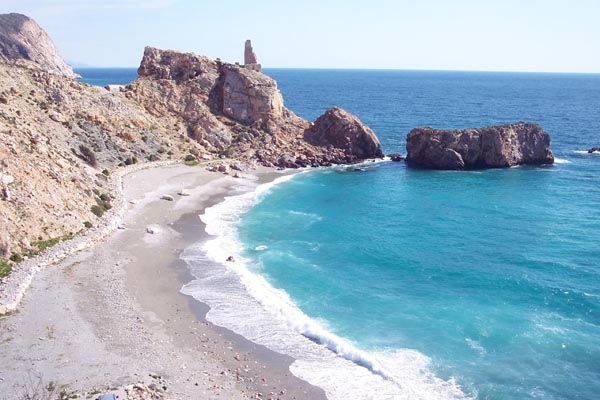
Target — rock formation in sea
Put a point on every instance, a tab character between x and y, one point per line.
61	138
396	157
594	150
492	147
342	130
21	38
250	60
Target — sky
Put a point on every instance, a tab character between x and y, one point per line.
492	35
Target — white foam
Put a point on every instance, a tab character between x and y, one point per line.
594	153
261	247
561	161
475	345
246	303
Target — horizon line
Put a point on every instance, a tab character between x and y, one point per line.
385	69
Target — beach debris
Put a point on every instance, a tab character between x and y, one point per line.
230	259
167	197
152	229
183	192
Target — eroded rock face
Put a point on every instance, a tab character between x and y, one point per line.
492	147
21	38
248	96
240	112
342	130
177	66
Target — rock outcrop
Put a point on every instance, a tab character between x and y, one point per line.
250	61
396	157
60	138
594	150
342	130
21	38
240	112
492	147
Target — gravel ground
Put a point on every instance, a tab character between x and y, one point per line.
112	316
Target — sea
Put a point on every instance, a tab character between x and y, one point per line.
386	282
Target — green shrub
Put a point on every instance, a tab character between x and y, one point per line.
5	267
97	211
88	224
44	244
15	257
190	160
152	157
131	160
105	172
105	205
228	152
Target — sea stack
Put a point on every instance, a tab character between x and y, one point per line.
342	130
21	38
492	147
250	61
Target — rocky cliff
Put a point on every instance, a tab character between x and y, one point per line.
60	138
492	147
21	38
240	112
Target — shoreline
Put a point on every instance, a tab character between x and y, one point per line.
152	332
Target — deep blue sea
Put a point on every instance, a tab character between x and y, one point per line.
422	284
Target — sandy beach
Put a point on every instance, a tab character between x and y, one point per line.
111	316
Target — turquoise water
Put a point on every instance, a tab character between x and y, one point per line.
428	284
107	76
494	275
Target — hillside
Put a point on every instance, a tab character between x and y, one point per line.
60	138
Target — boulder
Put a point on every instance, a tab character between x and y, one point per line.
248	97
342	130
167	197
21	38
6	193
396	157
492	147
4	249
